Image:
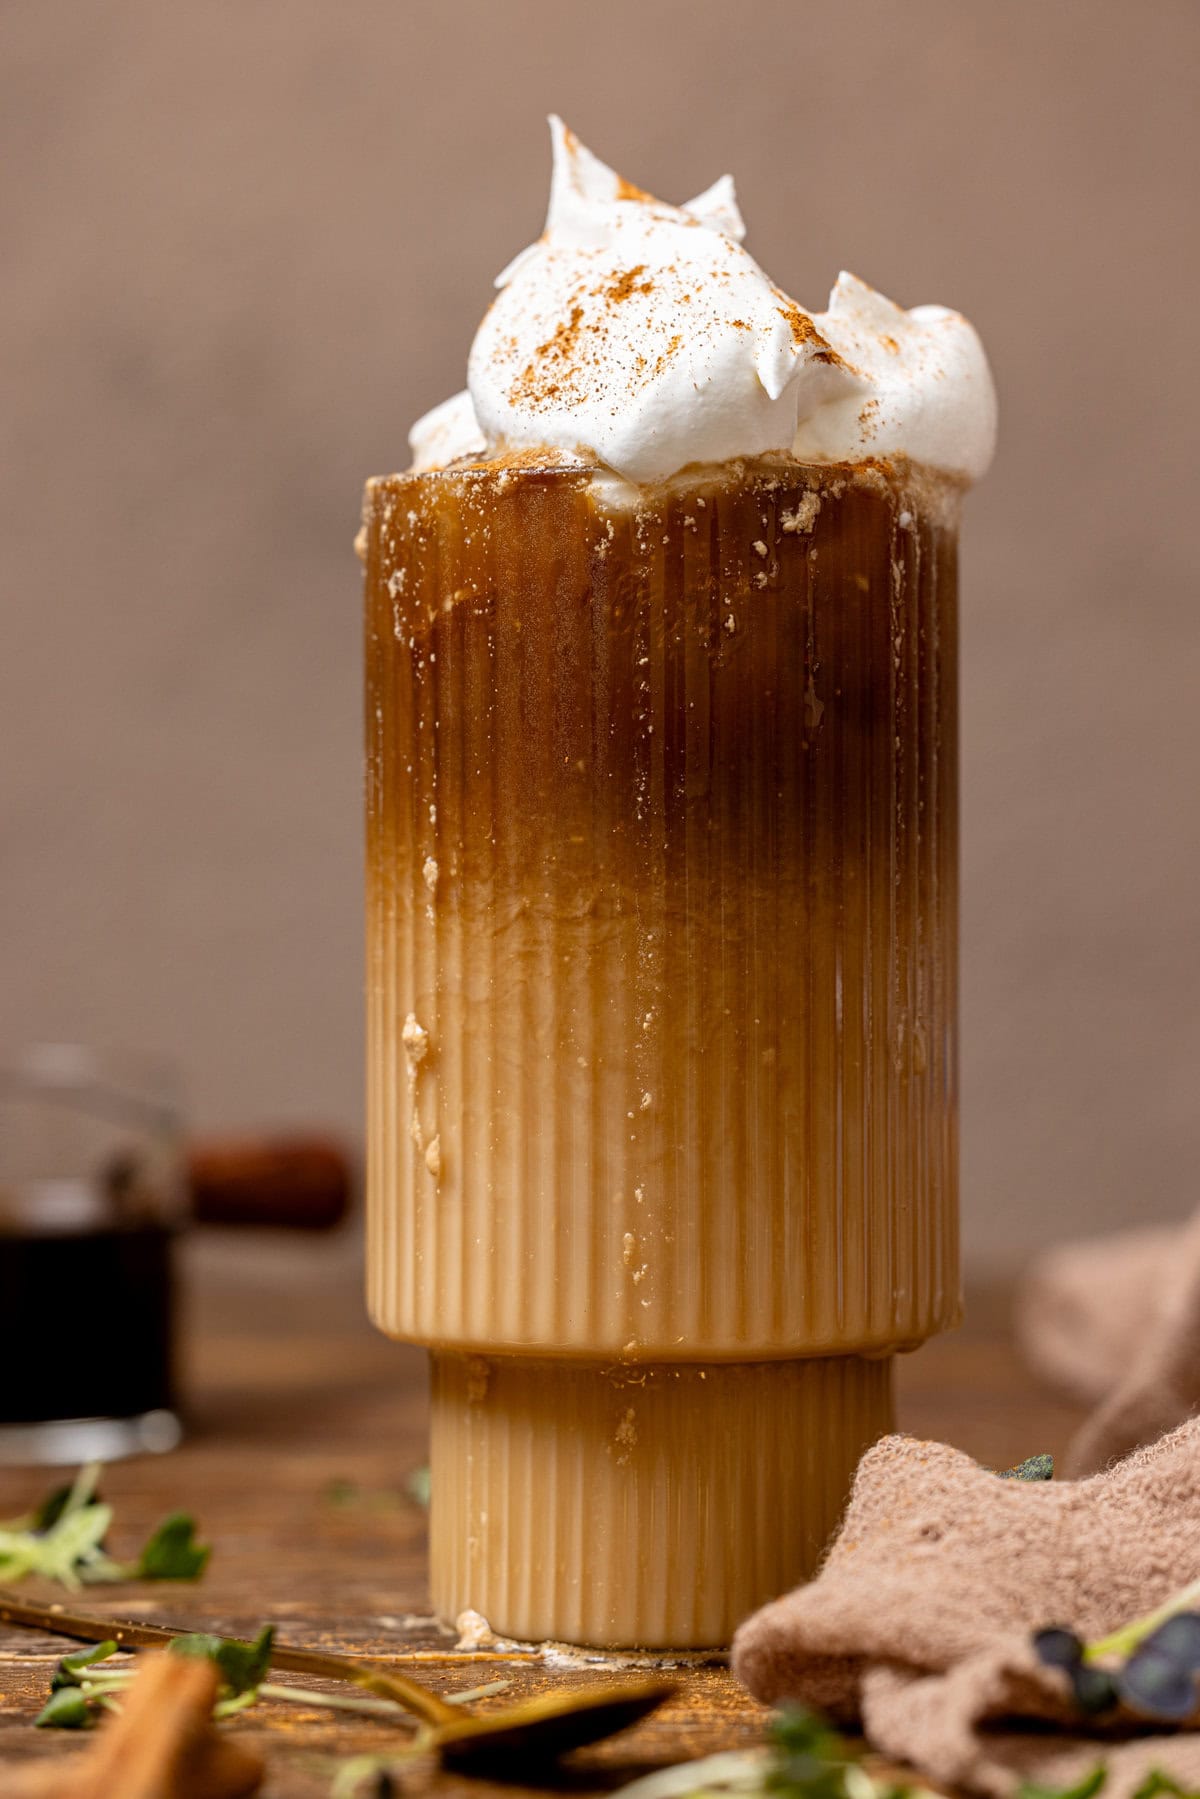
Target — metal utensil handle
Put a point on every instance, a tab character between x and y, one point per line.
130	1634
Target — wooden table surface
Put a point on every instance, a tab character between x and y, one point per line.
303	1426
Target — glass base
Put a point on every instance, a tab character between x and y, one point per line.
60	1442
639	1506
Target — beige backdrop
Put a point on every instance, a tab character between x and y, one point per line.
245	244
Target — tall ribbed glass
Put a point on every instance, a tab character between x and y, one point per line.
661	995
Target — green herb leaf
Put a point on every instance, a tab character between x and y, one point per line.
66	1709
71	1549
172	1552
69	1668
347	1493
52	1507
1157	1782
1083	1789
806	1759
810	1758
63	1540
797	1731
242	1665
1034	1467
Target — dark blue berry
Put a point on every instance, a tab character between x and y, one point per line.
1057	1647
1179	1640
1155	1686
1095	1689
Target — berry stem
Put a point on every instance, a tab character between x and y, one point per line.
1125	1640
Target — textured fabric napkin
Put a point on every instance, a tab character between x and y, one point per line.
919	1623
1115	1322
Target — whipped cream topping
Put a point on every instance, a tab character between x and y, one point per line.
644	335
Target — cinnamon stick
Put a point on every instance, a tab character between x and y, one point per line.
163	1745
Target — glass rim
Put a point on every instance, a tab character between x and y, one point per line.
135	1086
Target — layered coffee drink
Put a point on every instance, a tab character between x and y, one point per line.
662	929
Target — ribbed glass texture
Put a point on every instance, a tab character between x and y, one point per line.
653	1506
662	913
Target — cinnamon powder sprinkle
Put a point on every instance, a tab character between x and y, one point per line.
572	363
627	191
805	332
627	284
536	385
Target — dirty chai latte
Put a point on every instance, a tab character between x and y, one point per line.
662	926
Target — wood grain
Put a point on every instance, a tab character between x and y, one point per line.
303	1426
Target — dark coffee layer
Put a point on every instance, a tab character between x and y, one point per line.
662	875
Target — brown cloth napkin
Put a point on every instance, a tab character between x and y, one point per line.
918	1624
1115	1322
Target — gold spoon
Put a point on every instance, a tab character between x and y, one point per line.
541	1728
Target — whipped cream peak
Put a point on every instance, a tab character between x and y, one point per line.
717	208
580	184
645	336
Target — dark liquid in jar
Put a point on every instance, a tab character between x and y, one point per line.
86	1324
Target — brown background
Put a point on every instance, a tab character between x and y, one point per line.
245	244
